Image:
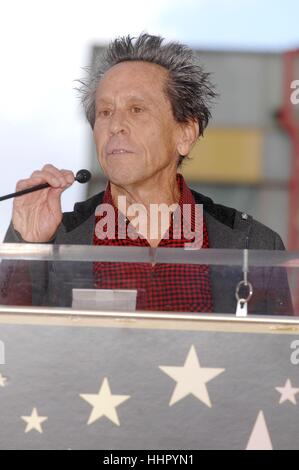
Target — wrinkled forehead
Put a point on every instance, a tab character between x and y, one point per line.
136	77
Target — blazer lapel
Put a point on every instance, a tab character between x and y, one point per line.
80	235
222	236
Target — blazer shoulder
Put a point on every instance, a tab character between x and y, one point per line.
259	235
265	237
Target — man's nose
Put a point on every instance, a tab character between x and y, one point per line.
118	123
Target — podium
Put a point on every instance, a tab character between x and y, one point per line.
89	379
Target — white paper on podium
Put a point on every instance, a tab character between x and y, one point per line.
105	299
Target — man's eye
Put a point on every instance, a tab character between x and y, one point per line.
137	109
105	112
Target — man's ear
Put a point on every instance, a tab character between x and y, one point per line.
188	135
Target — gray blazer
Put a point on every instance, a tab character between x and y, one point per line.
227	229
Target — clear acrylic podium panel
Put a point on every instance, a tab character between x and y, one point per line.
139	280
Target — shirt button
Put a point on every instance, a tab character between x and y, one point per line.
244	216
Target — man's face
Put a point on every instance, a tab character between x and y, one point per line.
135	132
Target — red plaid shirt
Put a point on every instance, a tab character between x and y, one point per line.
171	287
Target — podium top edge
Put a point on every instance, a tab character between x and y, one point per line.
46	316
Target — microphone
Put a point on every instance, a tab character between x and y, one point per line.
83	176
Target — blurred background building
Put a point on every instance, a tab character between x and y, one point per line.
246	158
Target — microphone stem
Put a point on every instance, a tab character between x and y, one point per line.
38	187
83	176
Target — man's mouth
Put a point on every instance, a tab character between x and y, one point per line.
119	151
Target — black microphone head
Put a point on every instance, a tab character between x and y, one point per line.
83	176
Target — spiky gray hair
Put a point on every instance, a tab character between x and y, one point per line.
188	87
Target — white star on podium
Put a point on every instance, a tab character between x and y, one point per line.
191	379
34	421
104	403
3	381
287	393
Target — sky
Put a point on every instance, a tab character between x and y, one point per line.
45	44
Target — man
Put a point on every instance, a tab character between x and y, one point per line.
147	103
